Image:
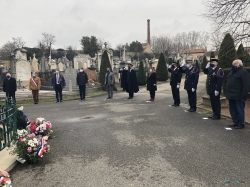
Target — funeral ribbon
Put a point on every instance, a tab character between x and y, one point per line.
41	149
33	81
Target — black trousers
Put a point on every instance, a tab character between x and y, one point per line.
131	94
192	99
82	90
152	94
58	90
11	95
215	104
175	94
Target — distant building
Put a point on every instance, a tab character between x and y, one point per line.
208	54
195	53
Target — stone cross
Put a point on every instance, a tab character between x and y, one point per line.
124	50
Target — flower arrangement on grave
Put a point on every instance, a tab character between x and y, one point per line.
40	127
29	146
5	179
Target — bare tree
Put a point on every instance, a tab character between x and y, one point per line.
46	43
9	47
230	16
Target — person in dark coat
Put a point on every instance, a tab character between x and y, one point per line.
81	81
151	83
132	85
123	73
237	89
191	82
58	83
215	80
9	86
175	82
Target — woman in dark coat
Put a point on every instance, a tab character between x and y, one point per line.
151	83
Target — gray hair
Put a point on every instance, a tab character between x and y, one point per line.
239	62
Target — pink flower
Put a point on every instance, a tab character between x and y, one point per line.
20	140
31	136
29	150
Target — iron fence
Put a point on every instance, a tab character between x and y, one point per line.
8	123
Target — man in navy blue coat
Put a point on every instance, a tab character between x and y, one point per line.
191	82
215	80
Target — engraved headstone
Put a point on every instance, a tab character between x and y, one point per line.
61	66
23	70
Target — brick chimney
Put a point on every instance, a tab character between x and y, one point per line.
148	34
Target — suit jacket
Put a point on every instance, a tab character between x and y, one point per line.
175	76
132	85
110	79
9	86
215	79
192	77
81	79
32	86
61	80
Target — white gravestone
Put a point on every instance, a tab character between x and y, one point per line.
34	64
23	70
61	66
53	65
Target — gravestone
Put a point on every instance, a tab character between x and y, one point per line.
61	66
23	72
91	74
34	64
53	65
43	65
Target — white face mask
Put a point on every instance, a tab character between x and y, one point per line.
56	72
188	66
81	70
150	70
34	75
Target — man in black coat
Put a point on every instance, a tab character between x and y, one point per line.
191	82
123	73
81	81
132	85
58	83
175	82
9	86
215	80
237	89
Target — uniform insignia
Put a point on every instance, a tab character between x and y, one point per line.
220	73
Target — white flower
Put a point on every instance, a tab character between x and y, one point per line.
20	108
40	120
45	138
35	141
30	142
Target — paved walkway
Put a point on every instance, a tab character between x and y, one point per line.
120	142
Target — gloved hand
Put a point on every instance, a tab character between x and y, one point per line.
154	84
193	89
178	86
216	93
169	66
208	65
182	64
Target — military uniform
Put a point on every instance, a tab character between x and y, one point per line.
191	82
175	80
215	80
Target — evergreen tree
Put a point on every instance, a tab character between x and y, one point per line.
105	63
241	52
141	76
161	70
227	52
204	62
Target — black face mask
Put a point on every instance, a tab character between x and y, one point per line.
129	67
7	77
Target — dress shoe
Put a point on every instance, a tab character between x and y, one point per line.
239	127
192	110
61	101
211	116
108	98
215	118
57	101
152	99
176	105
233	125
130	98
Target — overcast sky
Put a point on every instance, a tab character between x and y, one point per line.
116	21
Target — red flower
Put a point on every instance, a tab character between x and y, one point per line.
32	123
32	128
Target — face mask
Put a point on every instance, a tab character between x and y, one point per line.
234	68
34	75
8	77
81	70
188	66
212	65
56	72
